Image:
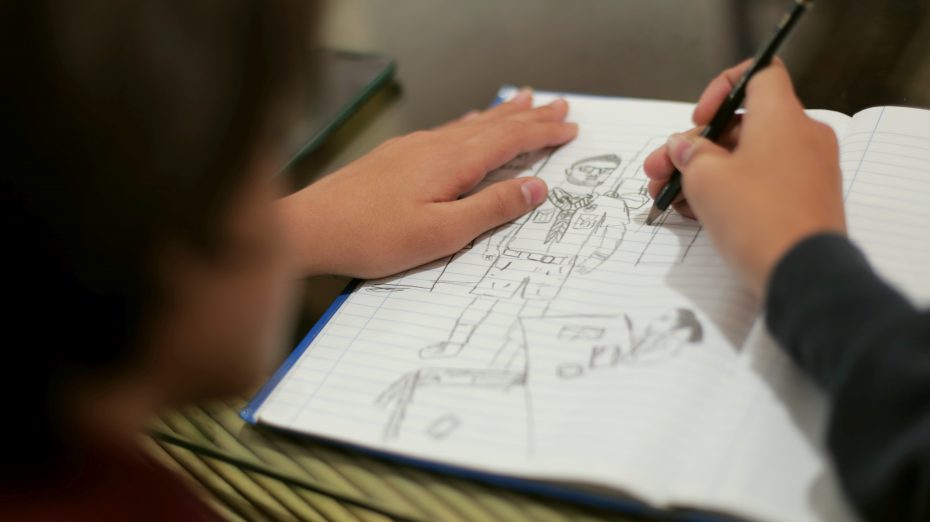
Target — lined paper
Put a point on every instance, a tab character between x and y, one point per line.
886	158
579	345
770	456
595	354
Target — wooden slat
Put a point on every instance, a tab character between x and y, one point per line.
347	486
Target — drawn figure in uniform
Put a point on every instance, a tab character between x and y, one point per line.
578	228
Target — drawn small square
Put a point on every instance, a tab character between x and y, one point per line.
443	426
569	370
581	332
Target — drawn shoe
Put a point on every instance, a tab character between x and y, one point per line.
441	349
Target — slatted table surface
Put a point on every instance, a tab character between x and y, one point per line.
249	473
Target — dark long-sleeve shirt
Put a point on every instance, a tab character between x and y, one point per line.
869	348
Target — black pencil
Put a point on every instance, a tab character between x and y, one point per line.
728	108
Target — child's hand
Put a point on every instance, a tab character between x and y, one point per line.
398	207
773	180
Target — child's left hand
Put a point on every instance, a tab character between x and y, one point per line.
398	207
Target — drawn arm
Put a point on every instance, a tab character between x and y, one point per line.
401	394
602	244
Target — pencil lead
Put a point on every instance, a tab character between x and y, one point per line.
654	214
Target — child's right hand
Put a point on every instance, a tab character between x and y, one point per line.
772	181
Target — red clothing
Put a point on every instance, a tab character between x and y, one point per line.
106	486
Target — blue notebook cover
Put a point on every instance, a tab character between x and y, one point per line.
546	489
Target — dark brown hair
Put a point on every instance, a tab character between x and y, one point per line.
125	125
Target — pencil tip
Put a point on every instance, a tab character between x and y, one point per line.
654	214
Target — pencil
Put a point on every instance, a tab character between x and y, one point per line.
728	108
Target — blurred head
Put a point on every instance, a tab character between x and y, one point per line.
140	139
592	172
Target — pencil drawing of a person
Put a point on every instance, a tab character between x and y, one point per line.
576	230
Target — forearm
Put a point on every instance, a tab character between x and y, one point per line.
870	350
303	234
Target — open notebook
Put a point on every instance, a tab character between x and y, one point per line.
581	353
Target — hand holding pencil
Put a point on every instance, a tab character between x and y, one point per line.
726	110
771	181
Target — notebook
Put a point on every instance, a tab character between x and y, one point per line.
580	353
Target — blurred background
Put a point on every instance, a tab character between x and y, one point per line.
453	55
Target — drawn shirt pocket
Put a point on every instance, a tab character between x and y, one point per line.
585	222
543	216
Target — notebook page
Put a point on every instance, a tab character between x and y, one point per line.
762	455
577	344
775	461
886	158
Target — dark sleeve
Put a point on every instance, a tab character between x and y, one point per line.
869	349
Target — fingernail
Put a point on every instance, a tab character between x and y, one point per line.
470	114
680	149
559	103
524	95
534	191
570	130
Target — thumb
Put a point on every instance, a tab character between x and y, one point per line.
687	150
499	203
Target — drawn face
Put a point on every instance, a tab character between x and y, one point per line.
662	325
591	173
667	333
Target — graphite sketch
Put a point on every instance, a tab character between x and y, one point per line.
569	370
569	216
663	337
588	214
422	278
688	229
575	231
443	426
400	395
582	344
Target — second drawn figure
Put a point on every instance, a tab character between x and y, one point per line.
561	347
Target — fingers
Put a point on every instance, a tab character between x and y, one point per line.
490	145
717	91
683	208
557	110
523	101
658	166
770	92
502	141
655	186
493	206
719	88
520	108
465	118
688	152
